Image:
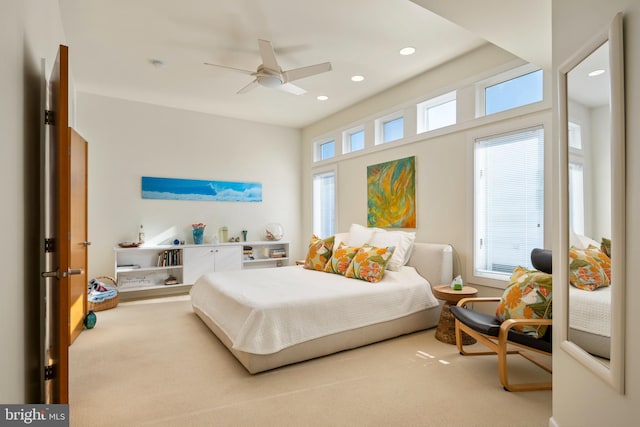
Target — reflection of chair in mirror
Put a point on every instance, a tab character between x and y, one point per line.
501	337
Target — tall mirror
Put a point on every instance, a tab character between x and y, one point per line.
593	181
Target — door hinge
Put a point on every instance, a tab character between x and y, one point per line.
49	372
49	245
49	117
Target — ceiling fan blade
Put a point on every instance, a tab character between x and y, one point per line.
248	87
291	88
268	56
231	68
302	72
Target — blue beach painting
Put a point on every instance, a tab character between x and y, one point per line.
196	189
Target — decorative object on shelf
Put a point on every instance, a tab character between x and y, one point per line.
171	280
391	194
198	232
244	235
195	189
90	320
128	244
224	234
141	235
274	231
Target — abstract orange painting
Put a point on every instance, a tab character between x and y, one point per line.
391	194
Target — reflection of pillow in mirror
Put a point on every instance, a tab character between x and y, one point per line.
580	241
585	271
528	296
605	246
602	258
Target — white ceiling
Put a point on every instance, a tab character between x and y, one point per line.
112	42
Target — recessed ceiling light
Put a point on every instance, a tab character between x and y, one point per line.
596	73
408	51
322	97
357	78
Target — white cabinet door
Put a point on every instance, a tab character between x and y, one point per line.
198	261
228	258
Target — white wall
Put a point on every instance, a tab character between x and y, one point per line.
579	397
29	30
443	163
129	139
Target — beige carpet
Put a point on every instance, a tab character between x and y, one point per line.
155	363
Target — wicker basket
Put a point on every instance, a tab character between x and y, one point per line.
106	304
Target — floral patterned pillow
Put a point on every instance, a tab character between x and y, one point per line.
603	259
585	269
340	259
319	253
528	296
369	263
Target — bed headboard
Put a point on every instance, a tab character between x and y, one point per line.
433	261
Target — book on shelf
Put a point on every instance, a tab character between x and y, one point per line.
277	253
169	258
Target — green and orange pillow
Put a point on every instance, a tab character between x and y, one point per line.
319	254
369	263
527	296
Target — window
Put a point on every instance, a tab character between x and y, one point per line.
390	129
576	179
353	140
327	150
515	88
324	203
437	112
508	201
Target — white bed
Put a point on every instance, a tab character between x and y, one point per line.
590	320
274	317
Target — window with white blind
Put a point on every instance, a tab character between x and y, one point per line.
508	201
324	203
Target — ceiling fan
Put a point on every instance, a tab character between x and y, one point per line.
269	74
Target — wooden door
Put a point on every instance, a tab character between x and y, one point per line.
66	247
78	242
57	322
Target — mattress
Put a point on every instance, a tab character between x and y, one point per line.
590	320
263	311
590	311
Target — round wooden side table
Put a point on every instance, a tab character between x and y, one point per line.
446	331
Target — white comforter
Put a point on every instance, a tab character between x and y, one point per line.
590	311
266	310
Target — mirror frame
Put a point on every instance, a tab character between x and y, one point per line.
614	373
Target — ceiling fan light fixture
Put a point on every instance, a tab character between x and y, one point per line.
269	81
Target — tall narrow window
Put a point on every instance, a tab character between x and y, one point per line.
324	203
576	180
508	201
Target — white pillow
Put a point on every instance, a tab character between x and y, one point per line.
401	240
359	235
580	241
340	238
